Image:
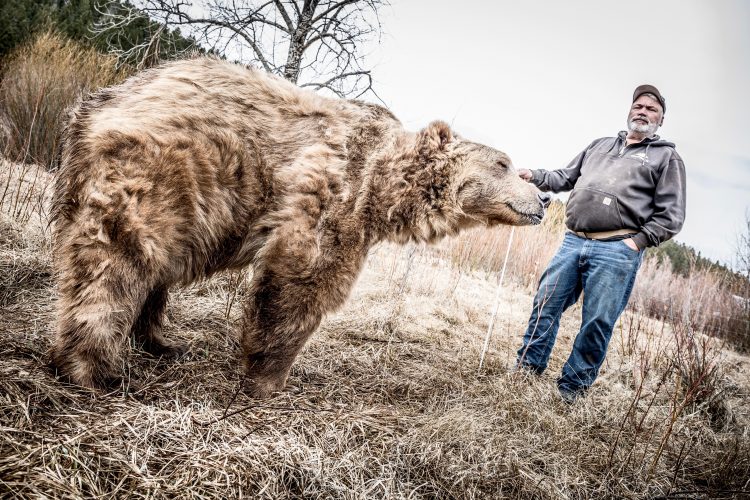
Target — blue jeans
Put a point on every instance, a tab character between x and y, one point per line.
605	272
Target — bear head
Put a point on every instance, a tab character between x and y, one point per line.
481	180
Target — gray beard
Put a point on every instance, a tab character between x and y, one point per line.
649	129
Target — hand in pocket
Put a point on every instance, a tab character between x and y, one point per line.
631	244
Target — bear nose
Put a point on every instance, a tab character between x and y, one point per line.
545	198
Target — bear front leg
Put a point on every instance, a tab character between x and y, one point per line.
100	294
315	246
279	318
300	277
147	329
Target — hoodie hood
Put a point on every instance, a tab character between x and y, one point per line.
654	140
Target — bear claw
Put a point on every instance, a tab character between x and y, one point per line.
169	351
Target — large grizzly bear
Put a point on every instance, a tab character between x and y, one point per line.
202	165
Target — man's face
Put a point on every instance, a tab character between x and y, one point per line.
645	115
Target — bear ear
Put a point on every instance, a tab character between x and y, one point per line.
435	136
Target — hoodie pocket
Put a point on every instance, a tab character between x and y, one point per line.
592	210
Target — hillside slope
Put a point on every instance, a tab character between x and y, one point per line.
386	401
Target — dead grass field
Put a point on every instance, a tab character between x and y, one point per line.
385	402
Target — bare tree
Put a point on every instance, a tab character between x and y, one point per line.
741	330
313	43
135	39
742	248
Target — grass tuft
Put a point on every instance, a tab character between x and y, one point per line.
39	82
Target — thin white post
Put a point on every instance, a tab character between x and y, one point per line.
497	301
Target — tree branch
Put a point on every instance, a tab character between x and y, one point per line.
312	42
284	15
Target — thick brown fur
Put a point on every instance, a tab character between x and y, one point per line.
202	165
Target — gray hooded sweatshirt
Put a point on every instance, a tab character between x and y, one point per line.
640	187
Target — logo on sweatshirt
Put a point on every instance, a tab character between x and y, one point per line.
642	157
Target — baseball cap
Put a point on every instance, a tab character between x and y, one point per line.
643	89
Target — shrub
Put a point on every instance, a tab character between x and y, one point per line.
531	250
704	299
41	80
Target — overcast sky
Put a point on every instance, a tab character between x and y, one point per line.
541	79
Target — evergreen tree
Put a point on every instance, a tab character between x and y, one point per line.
20	19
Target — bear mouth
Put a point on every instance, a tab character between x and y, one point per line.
530	219
533	218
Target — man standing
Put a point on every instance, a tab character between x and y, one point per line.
628	193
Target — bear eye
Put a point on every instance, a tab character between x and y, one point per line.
501	164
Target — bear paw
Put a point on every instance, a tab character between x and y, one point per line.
166	350
263	387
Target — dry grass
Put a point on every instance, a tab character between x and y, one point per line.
385	402
484	250
704	300
24	194
39	82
